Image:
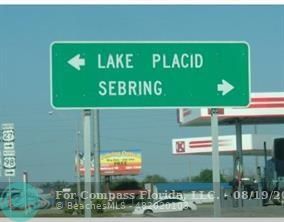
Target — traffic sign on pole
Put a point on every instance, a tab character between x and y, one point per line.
149	74
9	154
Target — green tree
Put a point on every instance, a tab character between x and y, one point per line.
154	179
206	176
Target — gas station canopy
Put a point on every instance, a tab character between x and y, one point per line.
265	108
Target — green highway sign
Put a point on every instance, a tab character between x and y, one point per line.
149	74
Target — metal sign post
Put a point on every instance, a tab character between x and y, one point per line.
239	155
25	181
77	164
215	163
97	151
87	162
10	196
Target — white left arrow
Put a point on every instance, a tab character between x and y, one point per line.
77	62
225	87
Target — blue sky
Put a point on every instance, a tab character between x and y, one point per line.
46	143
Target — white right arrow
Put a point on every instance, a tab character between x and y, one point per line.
76	62
225	87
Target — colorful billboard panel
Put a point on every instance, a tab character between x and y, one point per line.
128	162
113	163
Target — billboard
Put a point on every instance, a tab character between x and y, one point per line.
126	162
113	163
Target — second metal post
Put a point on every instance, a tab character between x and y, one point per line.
87	162
97	150
215	163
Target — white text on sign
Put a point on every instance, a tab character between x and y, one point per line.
173	61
